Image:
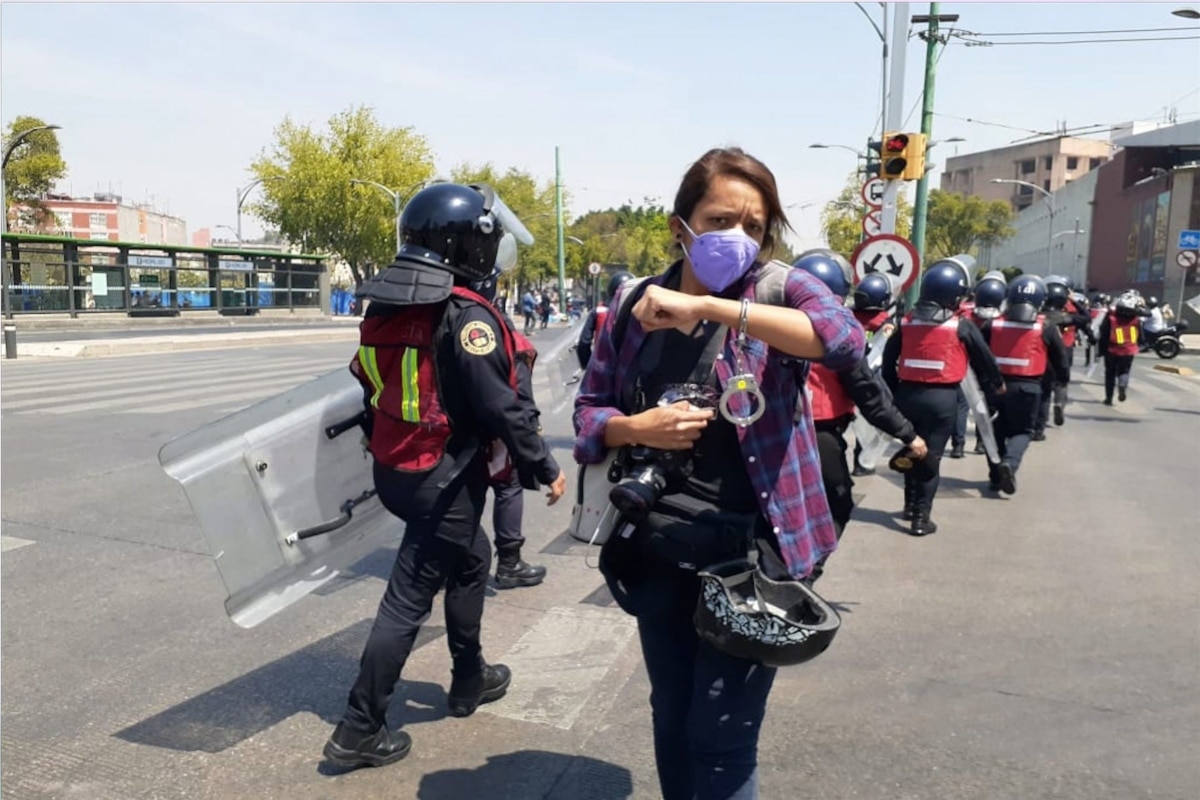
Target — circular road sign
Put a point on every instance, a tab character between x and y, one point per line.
594	268
872	192
1186	259
887	253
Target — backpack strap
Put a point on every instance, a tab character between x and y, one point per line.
633	289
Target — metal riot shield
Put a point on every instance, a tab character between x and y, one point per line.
871	440
983	419
562	372
284	494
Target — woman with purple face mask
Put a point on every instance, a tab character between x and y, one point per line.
700	483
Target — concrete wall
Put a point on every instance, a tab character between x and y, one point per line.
1069	253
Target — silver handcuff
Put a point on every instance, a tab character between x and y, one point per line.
743	382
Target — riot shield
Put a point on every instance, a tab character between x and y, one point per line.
284	494
871	440
983	419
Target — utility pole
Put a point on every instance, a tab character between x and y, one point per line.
895	109
921	201
558	213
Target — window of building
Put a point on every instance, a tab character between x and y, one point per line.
1093	163
1072	162
1046	184
1028	166
63	218
1047	162
98	220
1023	190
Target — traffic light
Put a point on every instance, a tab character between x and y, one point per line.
903	156
894	155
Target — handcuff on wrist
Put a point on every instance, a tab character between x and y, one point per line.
743	382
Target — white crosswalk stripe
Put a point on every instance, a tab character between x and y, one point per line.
158	383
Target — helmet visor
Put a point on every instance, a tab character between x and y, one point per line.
510	222
506	252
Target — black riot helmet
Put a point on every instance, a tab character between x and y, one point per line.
1057	293
614	283
990	293
1026	295
456	228
944	285
829	267
873	293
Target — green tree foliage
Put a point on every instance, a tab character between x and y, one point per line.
959	223
841	219
33	167
534	205
308	197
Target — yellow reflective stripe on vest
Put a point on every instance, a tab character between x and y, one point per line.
366	357
411	405
1120	334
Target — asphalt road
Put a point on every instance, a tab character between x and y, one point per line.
1040	646
86	333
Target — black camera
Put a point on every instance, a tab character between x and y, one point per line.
650	472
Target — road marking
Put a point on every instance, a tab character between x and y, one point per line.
13	543
558	663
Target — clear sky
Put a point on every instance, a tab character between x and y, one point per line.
169	103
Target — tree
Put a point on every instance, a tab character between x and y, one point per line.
841	219
308	197
959	223
33	167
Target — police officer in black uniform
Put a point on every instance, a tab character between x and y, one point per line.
1027	346
925	375
508	505
430	420
1060	311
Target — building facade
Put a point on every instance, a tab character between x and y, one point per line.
1051	244
106	217
1050	164
1145	197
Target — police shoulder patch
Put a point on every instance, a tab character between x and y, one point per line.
477	338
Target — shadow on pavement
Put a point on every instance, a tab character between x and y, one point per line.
528	774
314	679
1179	411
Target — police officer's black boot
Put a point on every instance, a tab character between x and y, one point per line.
487	685
907	513
922	525
350	748
512	572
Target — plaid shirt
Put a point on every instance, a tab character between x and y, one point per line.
780	449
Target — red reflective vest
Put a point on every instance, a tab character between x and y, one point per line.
1122	336
1019	348
397	364
871	321
829	398
931	352
1068	333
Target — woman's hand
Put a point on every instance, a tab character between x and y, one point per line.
673	427
660	308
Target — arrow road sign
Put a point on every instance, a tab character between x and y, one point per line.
872	192
1189	240
886	252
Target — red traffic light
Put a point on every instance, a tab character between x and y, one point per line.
895	144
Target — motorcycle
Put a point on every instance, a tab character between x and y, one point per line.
1166	344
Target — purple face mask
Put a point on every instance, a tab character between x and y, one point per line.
720	258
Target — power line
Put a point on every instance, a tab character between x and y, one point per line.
1083	33
973	43
982	122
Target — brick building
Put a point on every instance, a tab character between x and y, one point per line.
107	217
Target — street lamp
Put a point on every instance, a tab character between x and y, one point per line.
1050	204
398	197
243	193
856	152
1186	13
10	330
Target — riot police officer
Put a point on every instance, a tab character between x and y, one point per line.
595	319
1062	312
873	303
508	507
438	369
1027	346
924	363
990	294
1119	339
835	396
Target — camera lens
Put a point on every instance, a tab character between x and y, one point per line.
636	495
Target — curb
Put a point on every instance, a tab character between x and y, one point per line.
1173	369
135	346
